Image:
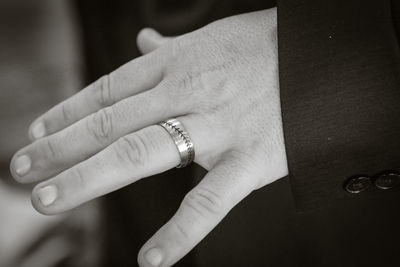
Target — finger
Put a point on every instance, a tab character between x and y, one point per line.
146	152
149	40
132	78
55	153
200	211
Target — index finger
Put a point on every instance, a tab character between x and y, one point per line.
132	78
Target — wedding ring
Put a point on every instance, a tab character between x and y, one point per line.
182	140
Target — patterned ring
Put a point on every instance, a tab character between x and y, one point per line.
182	140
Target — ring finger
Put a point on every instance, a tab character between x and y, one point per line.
146	152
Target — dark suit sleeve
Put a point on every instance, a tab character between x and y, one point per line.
340	94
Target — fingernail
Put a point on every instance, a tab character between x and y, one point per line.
38	130
22	165
154	256
47	195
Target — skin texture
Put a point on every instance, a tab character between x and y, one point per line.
220	81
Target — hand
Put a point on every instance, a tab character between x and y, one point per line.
220	81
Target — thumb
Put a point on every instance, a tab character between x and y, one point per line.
149	40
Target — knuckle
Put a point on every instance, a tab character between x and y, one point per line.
104	96
184	88
52	148
66	113
132	150
188	81
204	202
77	178
175	50
100	125
182	232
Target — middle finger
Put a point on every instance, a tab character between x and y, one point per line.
55	153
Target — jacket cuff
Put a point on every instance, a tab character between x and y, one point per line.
339	84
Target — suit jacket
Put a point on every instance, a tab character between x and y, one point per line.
340	88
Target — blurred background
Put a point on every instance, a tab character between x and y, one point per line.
41	63
49	49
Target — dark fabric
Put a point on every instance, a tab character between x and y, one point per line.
340	94
396	17
327	86
109	28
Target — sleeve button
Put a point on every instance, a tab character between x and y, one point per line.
387	180
357	184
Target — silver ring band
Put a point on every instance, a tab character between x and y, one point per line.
182	140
